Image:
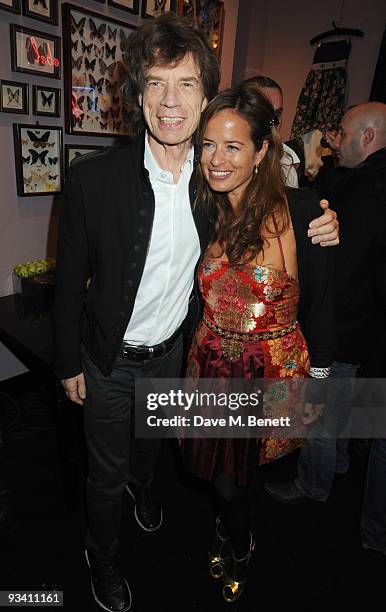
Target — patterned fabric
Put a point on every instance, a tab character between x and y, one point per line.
248	299
322	100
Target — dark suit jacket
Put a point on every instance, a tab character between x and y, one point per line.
360	261
104	234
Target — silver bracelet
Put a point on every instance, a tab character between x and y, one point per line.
320	372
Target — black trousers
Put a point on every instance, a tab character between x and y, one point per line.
115	456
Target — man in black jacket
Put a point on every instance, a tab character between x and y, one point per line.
360	299
129	242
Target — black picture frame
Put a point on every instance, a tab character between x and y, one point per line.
13	6
23	51
70	149
151	7
38	159
45	10
123	5
94	68
45	101
14	104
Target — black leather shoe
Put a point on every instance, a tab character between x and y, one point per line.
286	492
147	513
109	587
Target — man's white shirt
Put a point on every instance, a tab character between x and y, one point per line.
287	163
162	299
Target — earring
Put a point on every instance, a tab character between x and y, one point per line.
256	168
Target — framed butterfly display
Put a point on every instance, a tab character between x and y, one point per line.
10	5
14	97
73	151
45	101
95	68
131	6
35	52
38	159
44	10
151	8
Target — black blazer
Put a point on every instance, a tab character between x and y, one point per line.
360	261
316	280
105	227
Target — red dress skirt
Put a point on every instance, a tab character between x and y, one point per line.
247	299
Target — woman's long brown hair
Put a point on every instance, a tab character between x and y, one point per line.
240	233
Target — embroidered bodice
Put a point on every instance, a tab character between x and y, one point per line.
247	298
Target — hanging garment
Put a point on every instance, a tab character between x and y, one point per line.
322	100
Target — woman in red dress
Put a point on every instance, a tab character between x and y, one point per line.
267	294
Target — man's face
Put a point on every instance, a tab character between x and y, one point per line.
276	100
173	100
348	143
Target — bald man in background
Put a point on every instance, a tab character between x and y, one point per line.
360	318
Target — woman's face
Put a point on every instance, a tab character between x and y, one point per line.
229	156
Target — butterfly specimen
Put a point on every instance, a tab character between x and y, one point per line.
27	180
74	45
97	32
79	81
91	102
52	177
47	100
89	65
50	145
99	52
110	51
38	156
123	40
78	27
96	84
13	96
39	141
42	2
111	87
37	177
25	160
78	103
24	142
31	53
103	125
112	34
77	63
77	119
107	68
86	48
114	113
104	114
52	161
116	125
